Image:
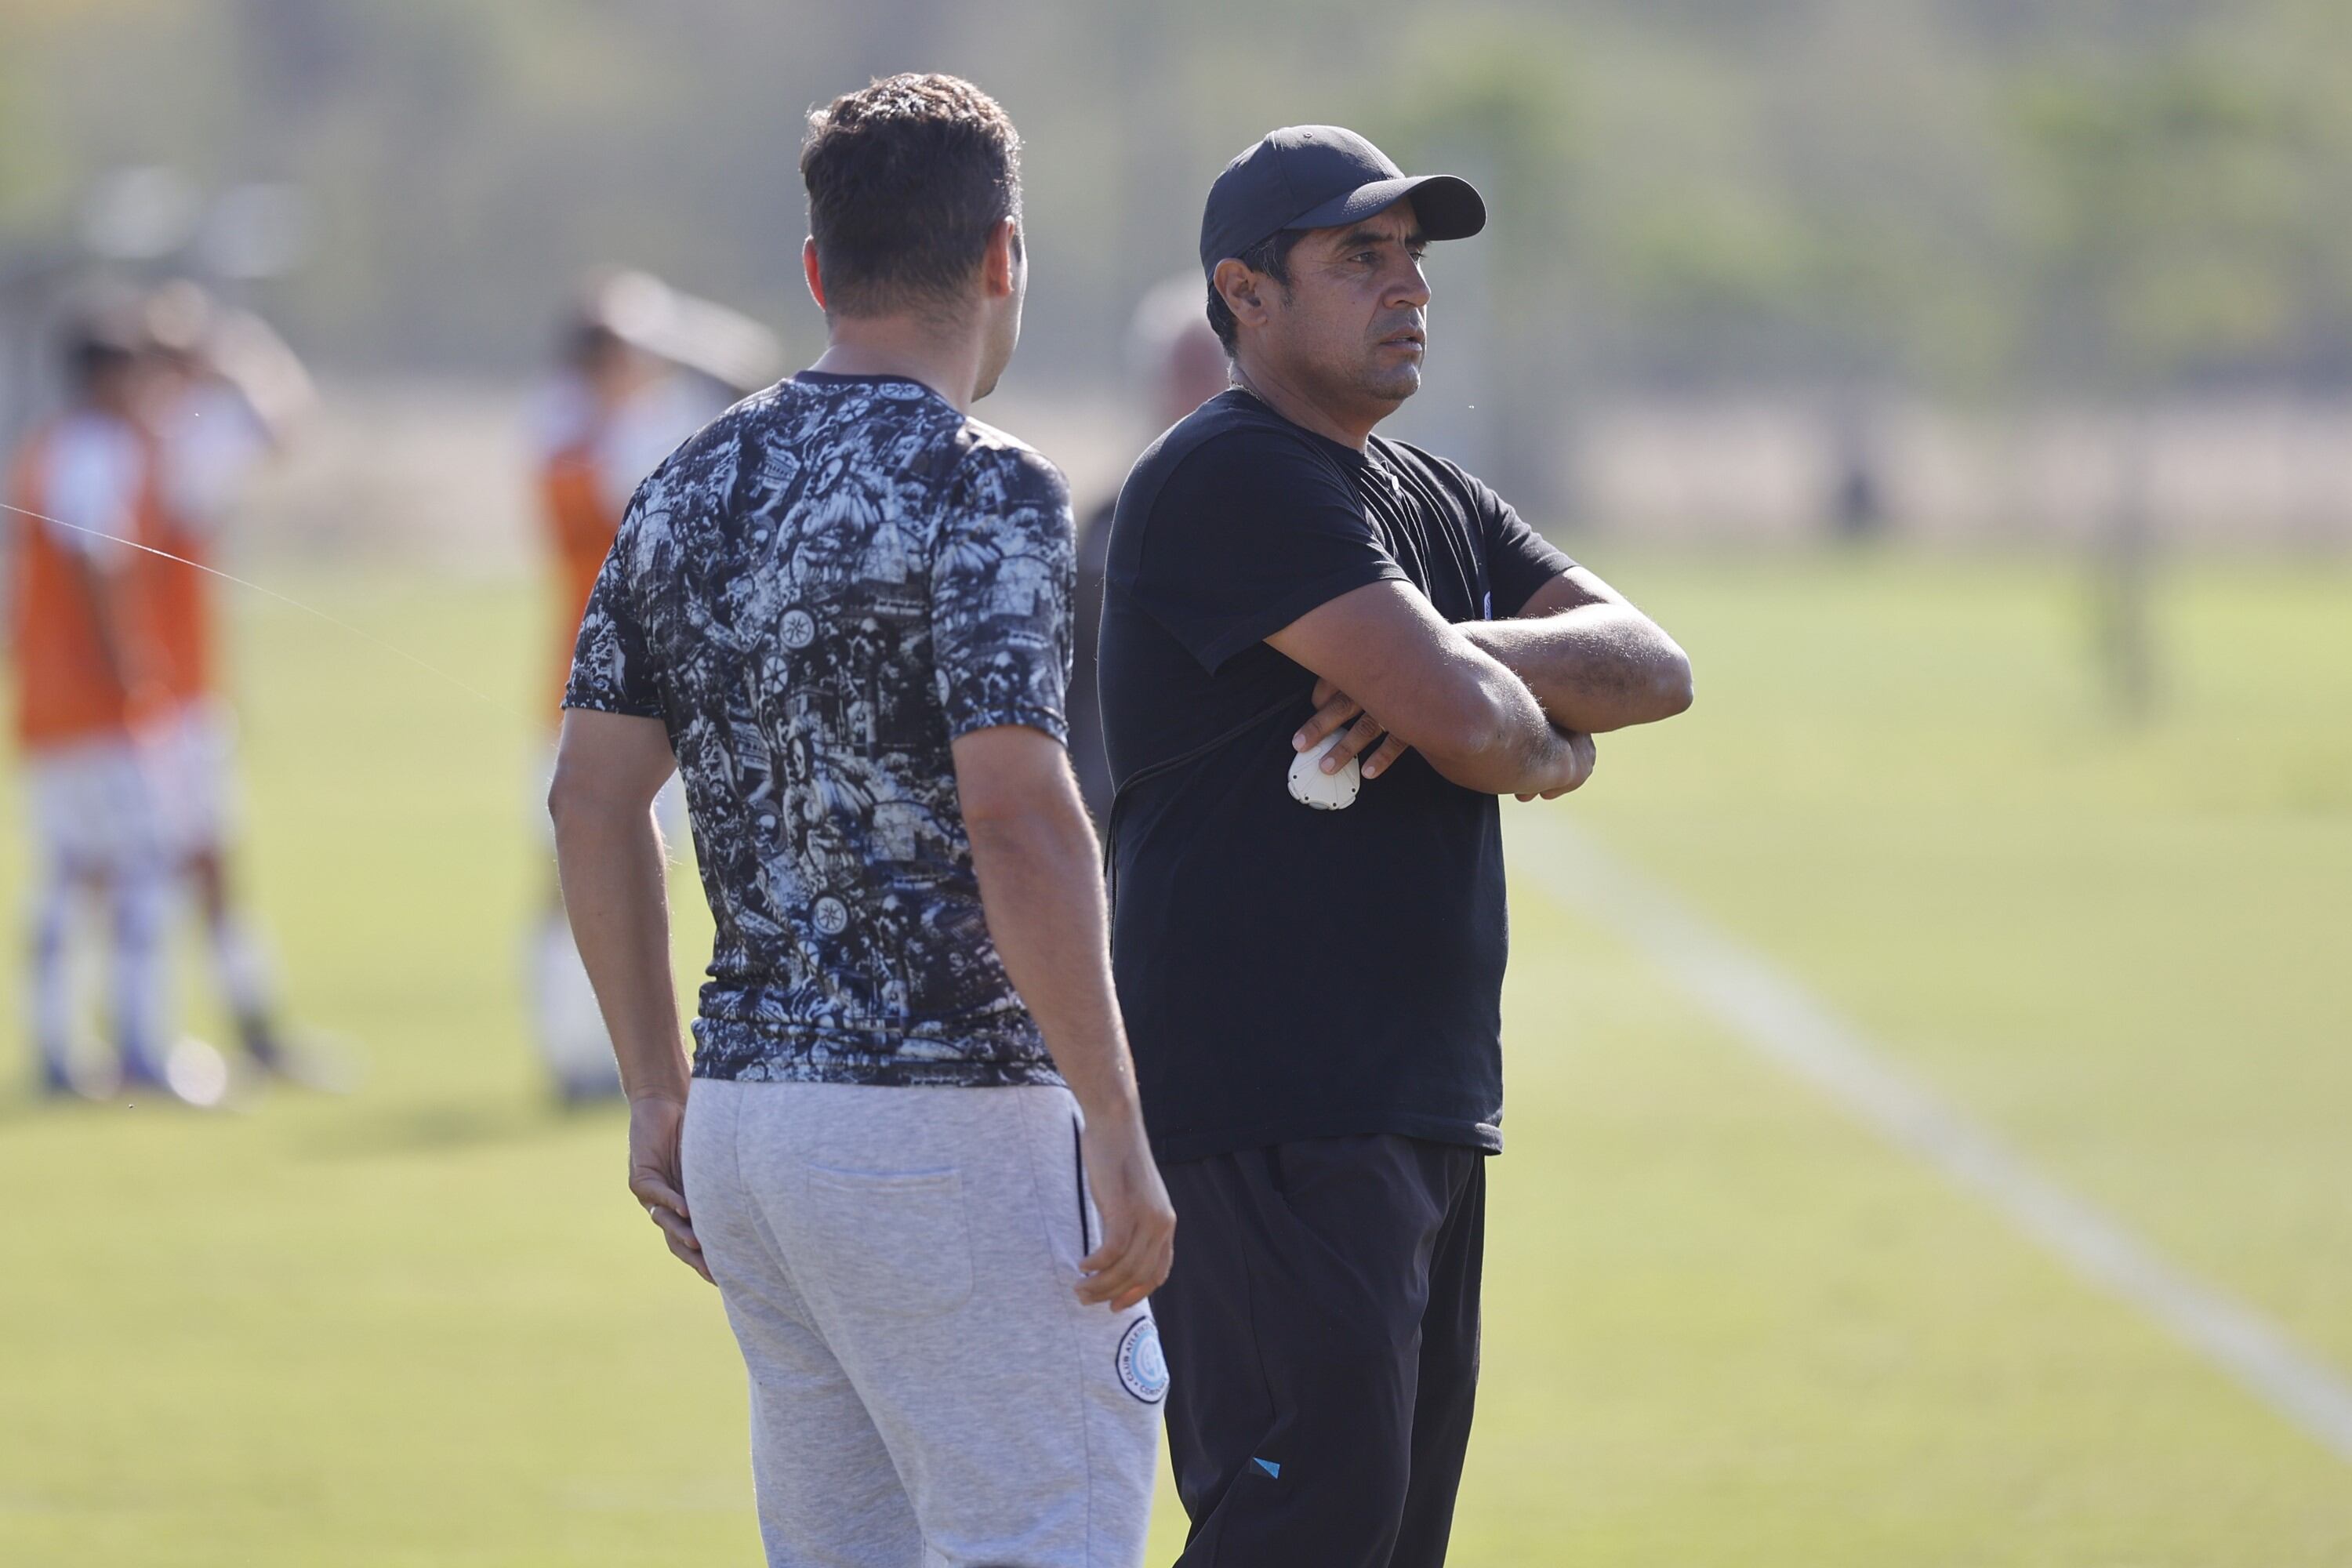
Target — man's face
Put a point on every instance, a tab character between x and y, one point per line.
617	373
167	376
117	385
1354	325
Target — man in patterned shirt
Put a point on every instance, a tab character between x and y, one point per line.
912	1158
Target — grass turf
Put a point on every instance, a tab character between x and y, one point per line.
426	1325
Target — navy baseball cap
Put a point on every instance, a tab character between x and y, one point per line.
1319	176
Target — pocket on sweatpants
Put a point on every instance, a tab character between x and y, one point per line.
889	1244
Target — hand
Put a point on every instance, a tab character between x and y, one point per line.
1334	708
1138	1241
654	1178
1573	765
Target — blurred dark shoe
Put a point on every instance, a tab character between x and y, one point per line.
302	1059
68	1080
138	1072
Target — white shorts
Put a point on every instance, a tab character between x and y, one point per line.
192	759
93	803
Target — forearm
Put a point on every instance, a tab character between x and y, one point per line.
1595	667
1041	886
1434	690
616	894
101	589
268	375
1511	746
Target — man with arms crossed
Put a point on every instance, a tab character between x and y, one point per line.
844	610
1315	995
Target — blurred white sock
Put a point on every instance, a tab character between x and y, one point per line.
52	976
143	905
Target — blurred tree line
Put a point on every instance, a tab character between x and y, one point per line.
2106	198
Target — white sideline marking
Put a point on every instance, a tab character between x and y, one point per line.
1772	1014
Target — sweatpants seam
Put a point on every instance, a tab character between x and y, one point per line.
814	1323
761	1228
752	1208
1077	1350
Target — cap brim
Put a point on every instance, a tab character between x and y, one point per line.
1449	207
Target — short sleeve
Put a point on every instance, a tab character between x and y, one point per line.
92	487
1002	584
1250	531
613	668
1518	559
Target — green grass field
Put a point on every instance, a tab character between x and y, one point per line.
1725	1326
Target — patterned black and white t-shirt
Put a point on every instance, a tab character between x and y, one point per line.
817	594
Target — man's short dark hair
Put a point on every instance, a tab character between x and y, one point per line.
588	346
1270	255
99	341
907	179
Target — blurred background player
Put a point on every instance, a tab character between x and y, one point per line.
89	484
1179	363
222	396
642	367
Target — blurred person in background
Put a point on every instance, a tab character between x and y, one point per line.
88	489
1181	365
223	395
642	367
1315	995
843	612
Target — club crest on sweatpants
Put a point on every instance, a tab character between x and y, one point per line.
1142	1369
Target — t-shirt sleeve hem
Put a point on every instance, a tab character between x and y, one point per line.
1563	568
593	702
1054	724
1256	628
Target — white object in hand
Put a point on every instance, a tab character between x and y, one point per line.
1310	785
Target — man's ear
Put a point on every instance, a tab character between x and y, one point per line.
809	270
996	262
1243	291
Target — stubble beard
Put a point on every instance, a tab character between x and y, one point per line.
1390	384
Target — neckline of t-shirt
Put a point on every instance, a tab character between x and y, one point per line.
1364	458
860	378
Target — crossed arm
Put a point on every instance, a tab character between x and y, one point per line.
1594	661
103	585
1583	657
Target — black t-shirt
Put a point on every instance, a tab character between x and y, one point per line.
1087	758
1287	973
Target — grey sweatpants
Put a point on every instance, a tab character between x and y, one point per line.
926	1390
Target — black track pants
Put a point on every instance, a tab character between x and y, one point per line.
1321	1328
